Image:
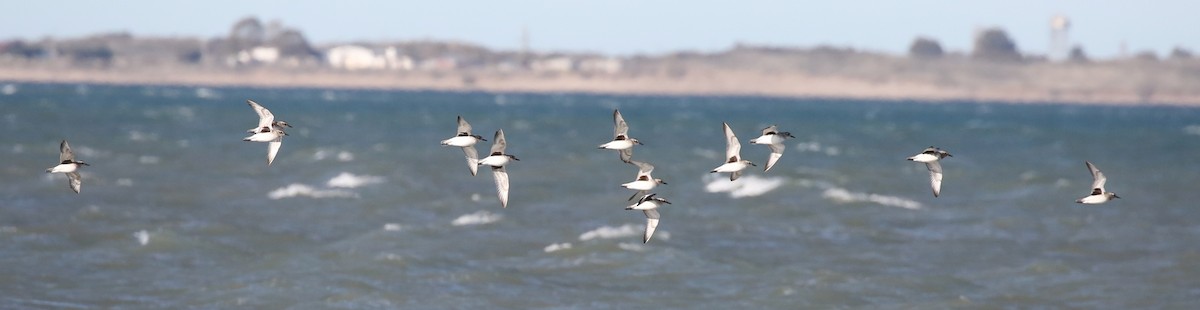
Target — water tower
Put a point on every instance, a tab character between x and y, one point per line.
1060	45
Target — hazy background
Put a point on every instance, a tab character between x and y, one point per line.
628	27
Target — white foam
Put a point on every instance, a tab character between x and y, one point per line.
301	190
349	180
139	136
345	156
1192	130
391	227
745	186
8	89
841	195
632	247
477	218
207	93
816	147
148	160
142	237
609	232
557	247
124	182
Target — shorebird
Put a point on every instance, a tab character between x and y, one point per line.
68	165
498	159
621	140
1098	195
772	138
466	141
644	182
930	156
269	130
734	164
649	205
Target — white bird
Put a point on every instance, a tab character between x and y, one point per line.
930	156
1098	195
734	164
68	165
644	182
772	138
269	130
498	159
649	205
621	140
466	141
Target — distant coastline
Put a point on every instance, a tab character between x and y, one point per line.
700	83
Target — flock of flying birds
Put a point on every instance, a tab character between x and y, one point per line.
271	131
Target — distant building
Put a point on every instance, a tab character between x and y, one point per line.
258	55
556	64
354	57
606	65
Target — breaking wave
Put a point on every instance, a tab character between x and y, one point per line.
745	186
301	190
477	218
557	247
349	180
841	195
609	232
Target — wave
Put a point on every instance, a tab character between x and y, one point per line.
815	147
841	195
745	186
609	232
142	237
1192	130
349	180
557	247
477	218
323	154
298	190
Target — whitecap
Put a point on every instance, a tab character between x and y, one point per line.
557	247
207	93
348	180
345	156
392	227
297	189
124	182
142	237
139	136
745	186
1192	130
477	218
148	160
841	195
609	232
8	89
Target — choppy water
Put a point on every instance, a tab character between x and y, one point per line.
363	209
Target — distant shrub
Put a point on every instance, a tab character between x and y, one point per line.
994	45
925	48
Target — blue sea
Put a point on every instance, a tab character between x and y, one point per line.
363	209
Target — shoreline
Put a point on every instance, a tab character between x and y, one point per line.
696	83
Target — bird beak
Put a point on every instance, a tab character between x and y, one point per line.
752	164
1115	196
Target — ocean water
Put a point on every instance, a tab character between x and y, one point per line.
362	208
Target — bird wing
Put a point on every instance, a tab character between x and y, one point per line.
272	149
619	126
626	154
769	130
733	176
472	159
75	181
776	153
64	152
935	177
265	118
463	126
644	168
651	224
501	177
638	193
498	143
1098	177
732	146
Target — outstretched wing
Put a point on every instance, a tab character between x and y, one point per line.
64	152
464	129
643	168
651	224
472	159
272	149
732	146
626	154
501	177
75	181
498	143
776	153
619	126
265	118
770	130
1097	176
935	177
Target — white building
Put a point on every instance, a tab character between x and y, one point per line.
556	64
354	57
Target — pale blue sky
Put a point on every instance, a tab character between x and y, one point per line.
633	26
